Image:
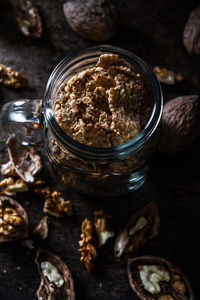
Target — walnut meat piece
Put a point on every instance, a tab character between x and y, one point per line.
52	273
27	17
166	76
54	203
8	170
102	228
26	162
154	278
87	249
94	19
12	187
165	297
12	78
151	276
13	220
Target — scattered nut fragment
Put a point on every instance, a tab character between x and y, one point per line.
27	17
43	227
191	34
101	227
9	77
141	227
13	220
153	277
26	162
6	181
12	187
180	124
94	19
87	248
37	182
93	235
8	170
166	76
56	280
28	243
54	203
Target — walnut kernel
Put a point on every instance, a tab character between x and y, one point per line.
9	77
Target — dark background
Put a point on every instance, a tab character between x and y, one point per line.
153	30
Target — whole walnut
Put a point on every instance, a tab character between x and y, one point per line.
191	34
180	124
94	19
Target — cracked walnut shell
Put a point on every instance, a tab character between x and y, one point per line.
56	279
13	220
25	161
42	228
154	278
142	226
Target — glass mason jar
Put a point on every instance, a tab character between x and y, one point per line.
98	171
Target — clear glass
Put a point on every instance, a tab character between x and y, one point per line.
98	171
101	171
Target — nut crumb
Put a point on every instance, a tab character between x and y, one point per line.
12	78
166	76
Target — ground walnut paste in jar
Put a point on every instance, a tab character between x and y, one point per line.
106	105
103	106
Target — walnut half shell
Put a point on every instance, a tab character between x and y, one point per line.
142	226
154	278
56	279
13	220
24	159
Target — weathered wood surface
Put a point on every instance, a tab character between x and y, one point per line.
153	30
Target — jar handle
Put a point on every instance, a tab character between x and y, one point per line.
21	119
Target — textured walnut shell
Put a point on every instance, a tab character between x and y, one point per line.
123	239
25	160
22	230
180	124
94	19
47	289
191	34
42	228
135	282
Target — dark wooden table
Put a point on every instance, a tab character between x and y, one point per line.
153	30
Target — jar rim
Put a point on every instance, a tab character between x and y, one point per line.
99	154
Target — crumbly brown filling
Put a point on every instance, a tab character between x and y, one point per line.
103	106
